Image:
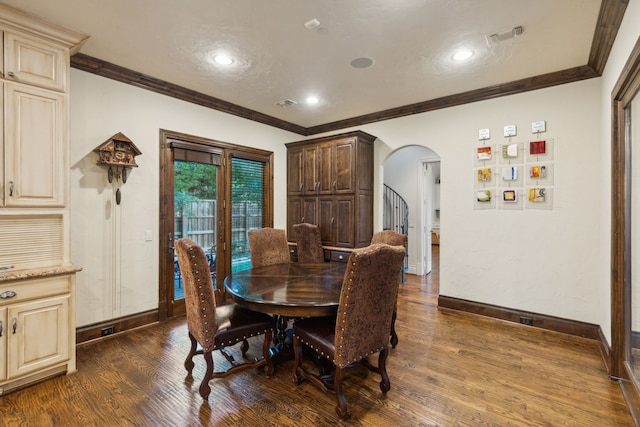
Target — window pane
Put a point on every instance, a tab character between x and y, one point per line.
247	207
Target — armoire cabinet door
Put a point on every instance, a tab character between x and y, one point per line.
295	172
345	217
344	166
326	181
35	169
310	170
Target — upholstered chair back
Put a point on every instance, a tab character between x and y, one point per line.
367	302
309	243
389	237
268	246
199	298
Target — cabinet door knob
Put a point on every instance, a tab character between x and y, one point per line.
11	188
15	324
11	74
0	328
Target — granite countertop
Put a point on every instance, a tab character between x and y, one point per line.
34	273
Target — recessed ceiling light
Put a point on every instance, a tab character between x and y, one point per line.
462	55
312	100
223	59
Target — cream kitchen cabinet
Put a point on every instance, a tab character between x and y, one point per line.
36	62
37	278
37	326
3	344
34	147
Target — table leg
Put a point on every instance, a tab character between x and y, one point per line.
281	350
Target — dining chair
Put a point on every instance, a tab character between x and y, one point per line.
268	246
309	243
361	327
393	238
216	328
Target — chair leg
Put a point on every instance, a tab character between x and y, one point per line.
297	351
341	408
268	336
394	335
205	389
244	347
385	384
188	363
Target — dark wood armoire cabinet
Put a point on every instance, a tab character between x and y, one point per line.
330	184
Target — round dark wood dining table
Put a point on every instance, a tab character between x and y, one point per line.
288	290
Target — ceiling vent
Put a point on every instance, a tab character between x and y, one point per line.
286	103
314	23
504	35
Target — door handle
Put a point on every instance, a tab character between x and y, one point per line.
7	294
0	328
15	324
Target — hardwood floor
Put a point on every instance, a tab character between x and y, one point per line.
449	369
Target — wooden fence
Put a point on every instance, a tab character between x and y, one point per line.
198	223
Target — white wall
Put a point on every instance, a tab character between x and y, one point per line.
550	262
529	259
119	268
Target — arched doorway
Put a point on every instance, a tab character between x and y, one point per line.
412	171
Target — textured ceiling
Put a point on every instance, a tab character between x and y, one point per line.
278	58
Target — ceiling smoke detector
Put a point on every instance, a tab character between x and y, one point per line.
504	35
286	103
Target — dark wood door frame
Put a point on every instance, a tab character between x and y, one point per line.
165	307
626	88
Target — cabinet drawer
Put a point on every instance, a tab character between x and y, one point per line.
340	256
26	290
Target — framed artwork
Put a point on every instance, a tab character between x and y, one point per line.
483	153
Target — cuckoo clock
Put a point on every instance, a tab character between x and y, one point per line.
118	154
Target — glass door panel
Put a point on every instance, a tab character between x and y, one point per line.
247	208
195	215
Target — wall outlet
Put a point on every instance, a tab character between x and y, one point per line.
107	331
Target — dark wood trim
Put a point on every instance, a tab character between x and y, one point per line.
605	350
566	326
125	75
624	91
519	86
121	324
609	19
